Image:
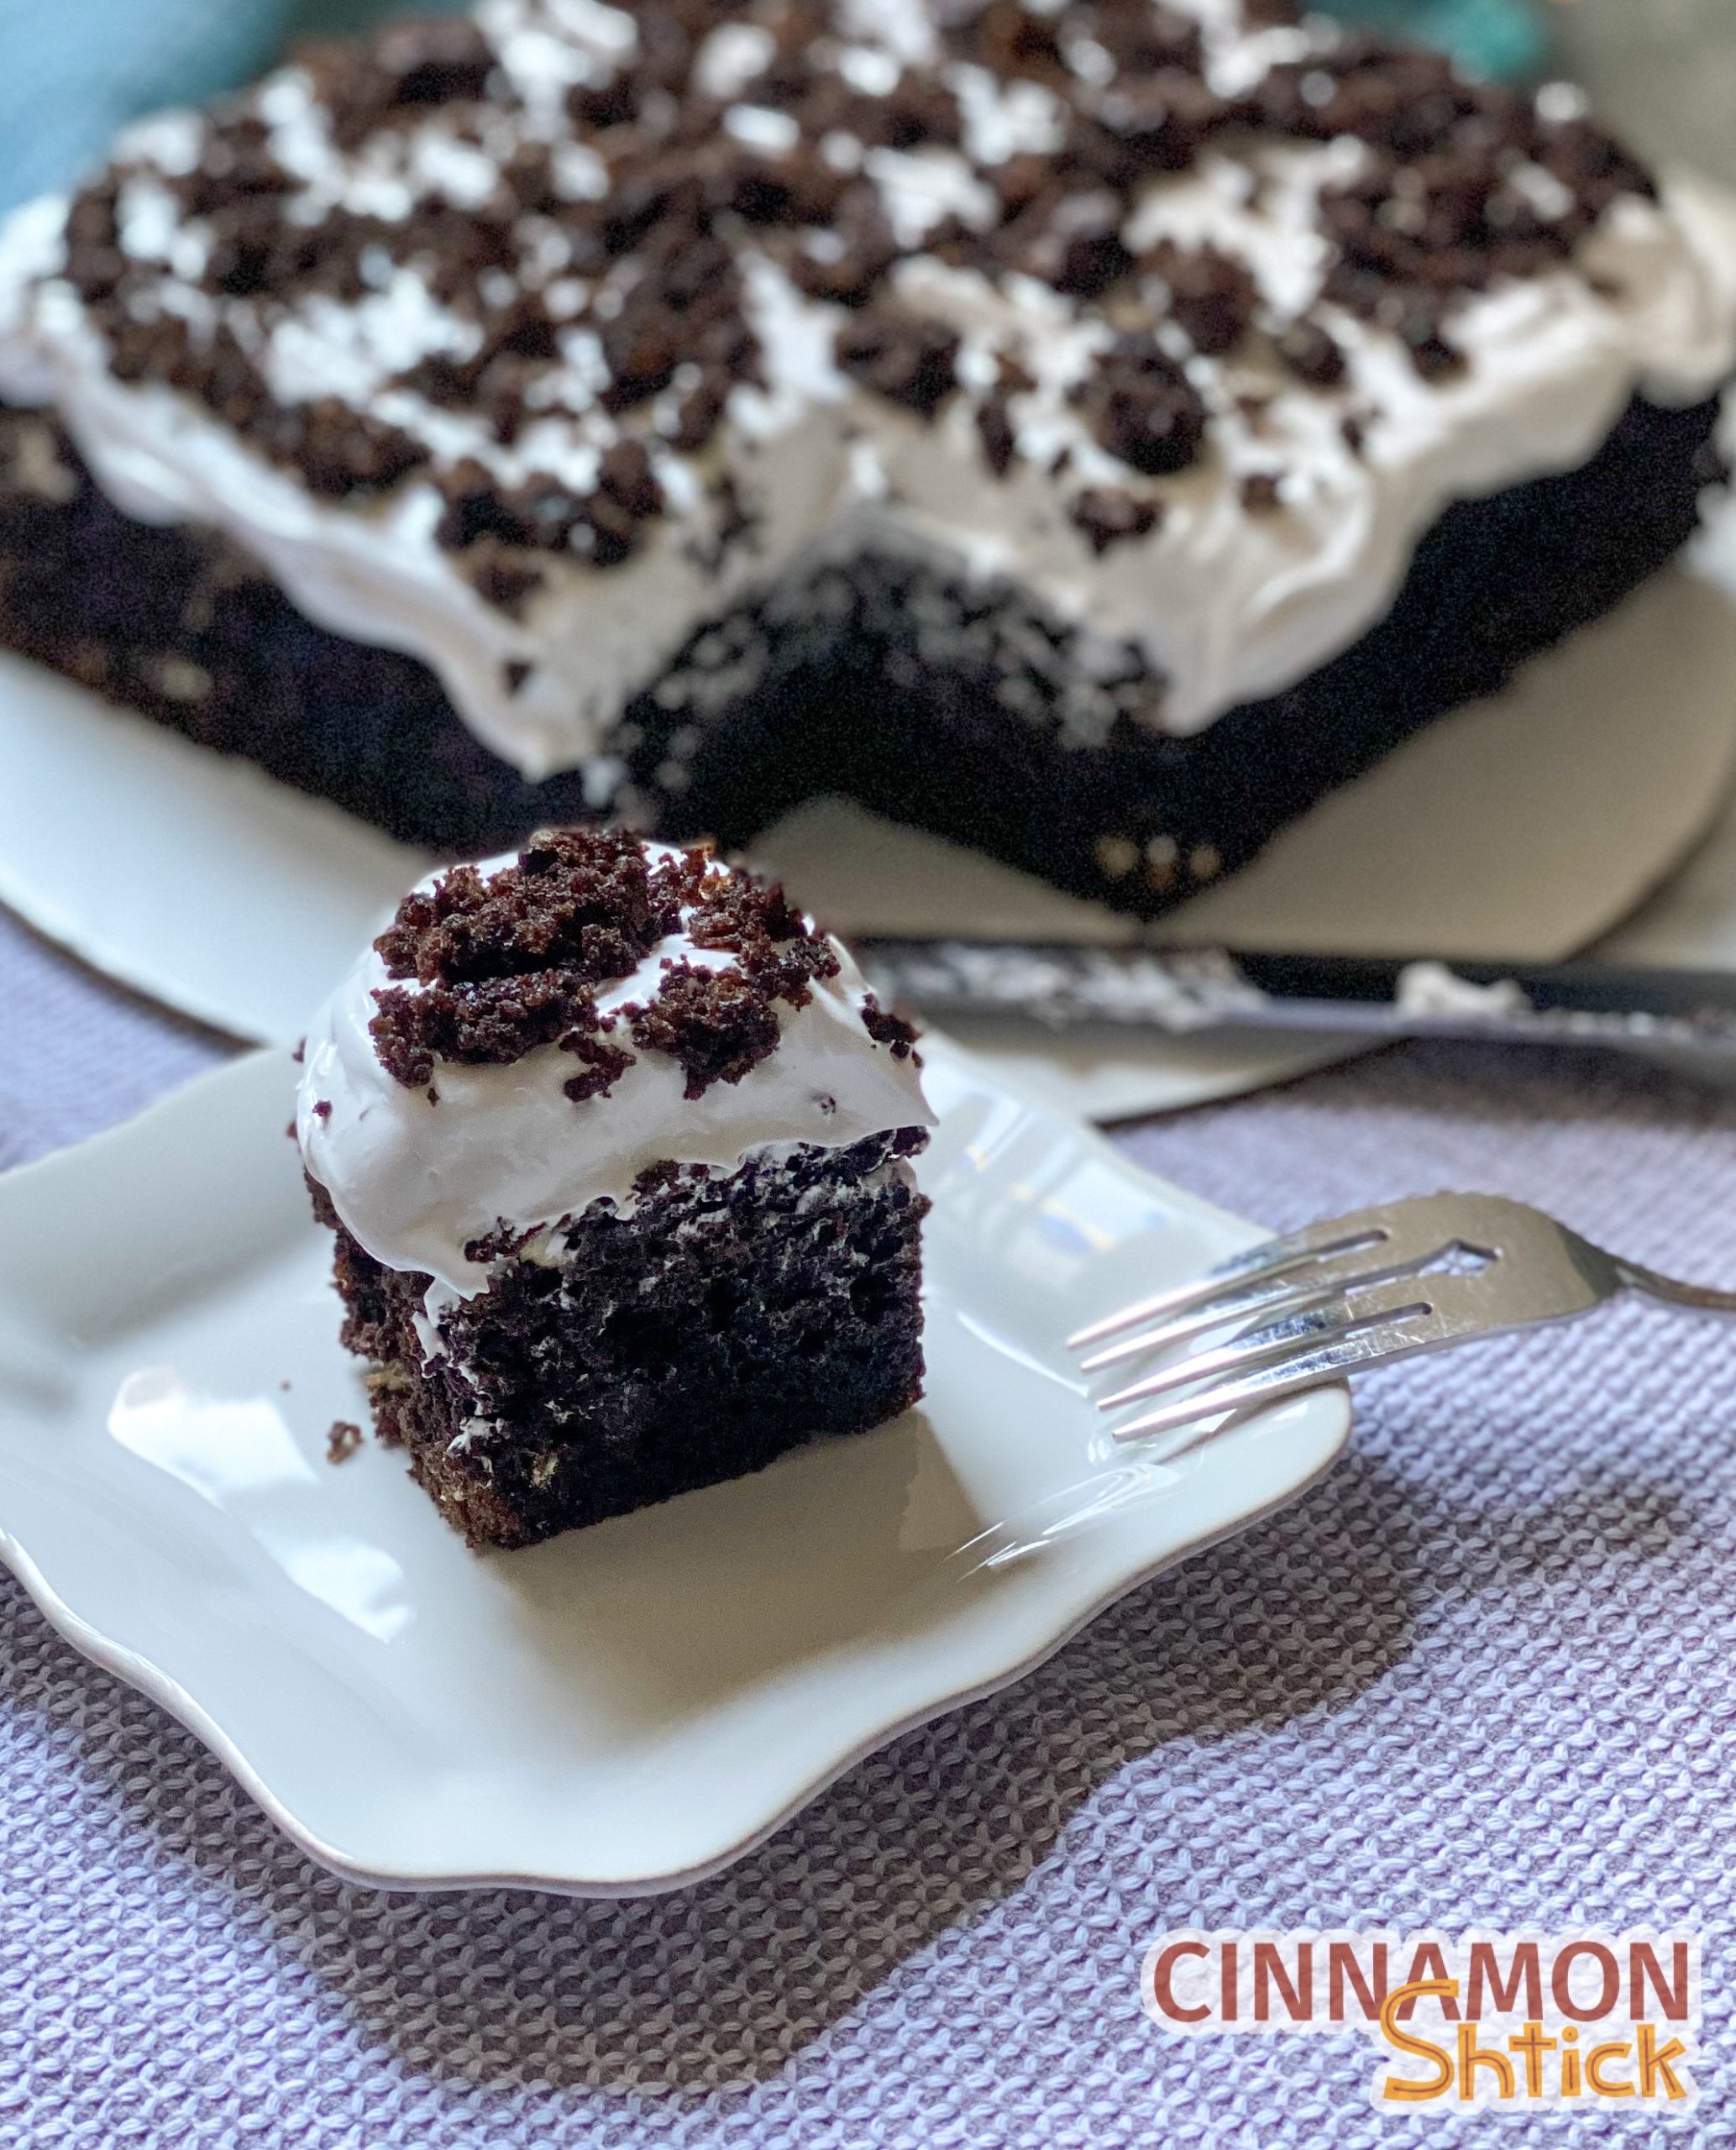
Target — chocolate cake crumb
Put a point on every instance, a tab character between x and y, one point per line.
1142	407
626	477
341	453
1108	516
737	522
775	946
589	901
482	516
511	961
700	412
95	265
1260	492
343	1441
489	1022
719	1025
1211	295
1071	240
435	61
904	356
603	1064
1312	354
892	1031
996	431
1155	124
507	584
847	262
514	673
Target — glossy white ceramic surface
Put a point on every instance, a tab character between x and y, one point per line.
628	1707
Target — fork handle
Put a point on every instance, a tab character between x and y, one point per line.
1692	1299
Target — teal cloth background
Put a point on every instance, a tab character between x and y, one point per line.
73	71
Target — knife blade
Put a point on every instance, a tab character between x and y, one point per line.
1178	990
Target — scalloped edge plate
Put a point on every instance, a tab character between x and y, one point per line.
630	1708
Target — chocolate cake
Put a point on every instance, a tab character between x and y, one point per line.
617	1152
1093	429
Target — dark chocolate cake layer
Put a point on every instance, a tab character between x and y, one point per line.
936	702
616	1146
720	1323
946	705
547	341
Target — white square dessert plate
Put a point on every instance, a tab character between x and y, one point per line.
627	1708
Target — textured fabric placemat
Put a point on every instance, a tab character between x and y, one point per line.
1485	1673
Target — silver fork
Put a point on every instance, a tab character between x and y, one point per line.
1356	1292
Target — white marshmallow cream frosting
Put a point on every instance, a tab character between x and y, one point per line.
417	1179
1236	575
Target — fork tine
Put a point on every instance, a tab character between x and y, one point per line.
1270	1258
1278	1340
1333	1275
1268	1384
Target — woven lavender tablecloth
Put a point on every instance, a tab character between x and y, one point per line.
1484	1674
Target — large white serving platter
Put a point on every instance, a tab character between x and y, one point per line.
1522	827
629	1707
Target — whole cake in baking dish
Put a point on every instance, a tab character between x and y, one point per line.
617	1151
1092	429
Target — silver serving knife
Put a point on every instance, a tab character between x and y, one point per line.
1182	990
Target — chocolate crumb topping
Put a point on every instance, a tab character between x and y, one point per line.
510	961
409	66
626	477
592	900
1072	241
1109	516
754	921
603	1064
507	584
482	517
847	262
94	266
489	1022
996	431
603	277
1312	354
1142	407
341	453
1213	296
903	356
719	1025
892	1031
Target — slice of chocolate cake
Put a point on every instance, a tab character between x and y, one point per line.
617	1148
1091	429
